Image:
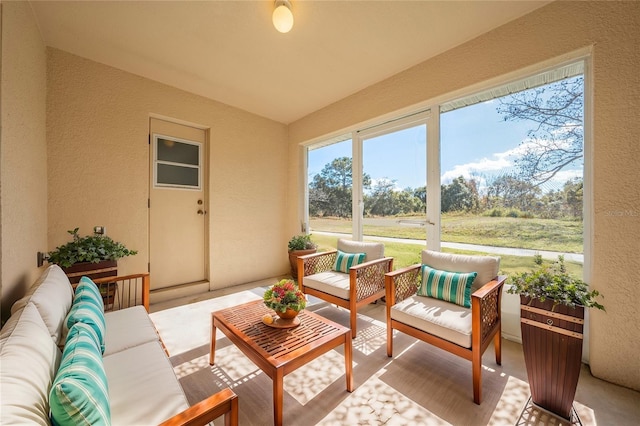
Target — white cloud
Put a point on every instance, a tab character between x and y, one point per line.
504	162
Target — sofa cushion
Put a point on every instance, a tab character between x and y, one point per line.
88	291
344	261
452	287
331	282
443	319
52	294
486	266
79	394
86	312
28	362
142	385
127	328
372	251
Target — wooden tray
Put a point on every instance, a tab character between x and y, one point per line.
282	323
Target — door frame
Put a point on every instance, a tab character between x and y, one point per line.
205	187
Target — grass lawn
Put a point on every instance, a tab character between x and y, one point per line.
544	234
409	254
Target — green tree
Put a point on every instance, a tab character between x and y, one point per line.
330	190
458	196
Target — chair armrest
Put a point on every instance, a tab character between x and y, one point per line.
224	403
401	284
485	307
369	277
314	263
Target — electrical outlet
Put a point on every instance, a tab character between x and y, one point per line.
99	230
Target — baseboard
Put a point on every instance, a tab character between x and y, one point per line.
175	292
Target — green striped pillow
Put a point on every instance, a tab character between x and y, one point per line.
79	394
88	313
452	287
344	261
88	290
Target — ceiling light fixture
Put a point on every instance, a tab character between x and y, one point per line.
282	16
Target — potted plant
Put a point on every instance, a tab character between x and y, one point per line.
94	256
552	304
285	298
299	245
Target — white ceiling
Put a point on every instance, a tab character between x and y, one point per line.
229	50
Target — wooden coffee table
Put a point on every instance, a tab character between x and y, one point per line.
279	351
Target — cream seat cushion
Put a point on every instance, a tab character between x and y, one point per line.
330	282
156	394
443	319
127	328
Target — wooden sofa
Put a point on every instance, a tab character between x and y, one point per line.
142	387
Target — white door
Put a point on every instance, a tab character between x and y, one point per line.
177	204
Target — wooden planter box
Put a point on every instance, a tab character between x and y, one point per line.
552	345
106	268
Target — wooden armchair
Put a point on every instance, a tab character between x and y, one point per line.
363	284
223	403
465	332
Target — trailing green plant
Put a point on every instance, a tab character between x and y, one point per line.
551	281
92	248
301	242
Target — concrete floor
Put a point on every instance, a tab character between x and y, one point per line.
611	404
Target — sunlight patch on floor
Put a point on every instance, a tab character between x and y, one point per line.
313	378
376	403
513	408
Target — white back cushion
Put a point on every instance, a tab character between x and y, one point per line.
52	294
486	266
28	362
372	250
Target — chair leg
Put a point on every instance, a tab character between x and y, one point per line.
389	339
476	363
497	343
354	316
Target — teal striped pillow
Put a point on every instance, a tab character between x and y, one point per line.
79	394
344	261
88	313
452	287
88	290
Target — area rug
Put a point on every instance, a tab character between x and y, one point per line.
419	385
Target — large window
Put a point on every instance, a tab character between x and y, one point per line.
499	171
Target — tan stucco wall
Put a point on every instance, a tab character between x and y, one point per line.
23	162
98	151
613	29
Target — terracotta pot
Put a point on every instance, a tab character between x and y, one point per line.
293	260
552	346
288	314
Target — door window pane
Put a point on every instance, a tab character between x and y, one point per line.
178	152
177	163
169	174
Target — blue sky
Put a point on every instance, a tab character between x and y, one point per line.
475	140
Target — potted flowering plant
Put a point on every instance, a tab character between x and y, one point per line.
285	298
552	304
